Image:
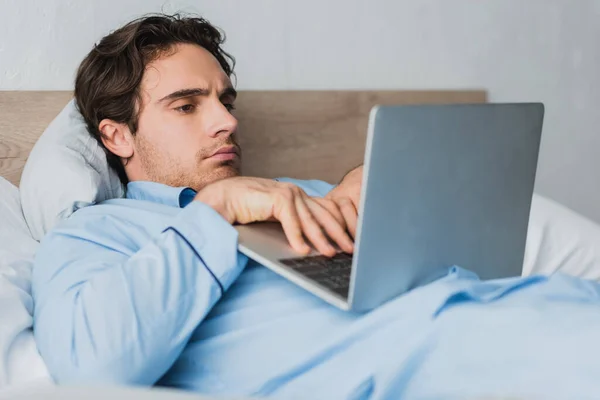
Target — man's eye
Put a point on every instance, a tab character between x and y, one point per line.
186	109
229	107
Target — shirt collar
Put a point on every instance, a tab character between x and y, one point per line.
159	193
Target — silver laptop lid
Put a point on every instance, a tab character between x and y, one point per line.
444	185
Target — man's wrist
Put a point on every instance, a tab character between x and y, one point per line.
214	198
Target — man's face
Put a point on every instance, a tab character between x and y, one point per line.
186	133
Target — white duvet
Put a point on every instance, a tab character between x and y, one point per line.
558	239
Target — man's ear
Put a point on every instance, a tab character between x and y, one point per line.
117	138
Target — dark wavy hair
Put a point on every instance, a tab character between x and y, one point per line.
107	85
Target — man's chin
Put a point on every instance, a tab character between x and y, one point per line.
219	173
228	172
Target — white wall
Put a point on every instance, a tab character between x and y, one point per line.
547	50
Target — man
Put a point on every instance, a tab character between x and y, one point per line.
150	289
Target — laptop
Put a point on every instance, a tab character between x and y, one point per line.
443	186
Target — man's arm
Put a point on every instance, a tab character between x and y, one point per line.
106	312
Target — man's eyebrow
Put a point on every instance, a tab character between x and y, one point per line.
183	93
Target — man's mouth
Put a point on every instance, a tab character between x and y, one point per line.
225	153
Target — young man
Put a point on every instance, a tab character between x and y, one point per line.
151	289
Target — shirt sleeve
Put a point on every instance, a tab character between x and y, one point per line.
108	312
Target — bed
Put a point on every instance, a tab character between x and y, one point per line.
302	134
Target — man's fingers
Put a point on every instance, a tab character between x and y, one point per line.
350	215
333	209
312	228
316	220
289	219
335	230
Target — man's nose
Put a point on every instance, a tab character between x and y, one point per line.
224	123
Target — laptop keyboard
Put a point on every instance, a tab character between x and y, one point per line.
332	273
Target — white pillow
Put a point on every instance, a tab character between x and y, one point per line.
560	239
15	239
20	361
66	170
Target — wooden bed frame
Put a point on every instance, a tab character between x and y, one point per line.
301	134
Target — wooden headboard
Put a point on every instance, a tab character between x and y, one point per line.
302	134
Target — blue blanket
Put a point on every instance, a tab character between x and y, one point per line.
458	337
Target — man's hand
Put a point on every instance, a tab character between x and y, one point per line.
244	200
347	197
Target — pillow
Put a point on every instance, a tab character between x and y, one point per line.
15	239
20	361
560	239
66	170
